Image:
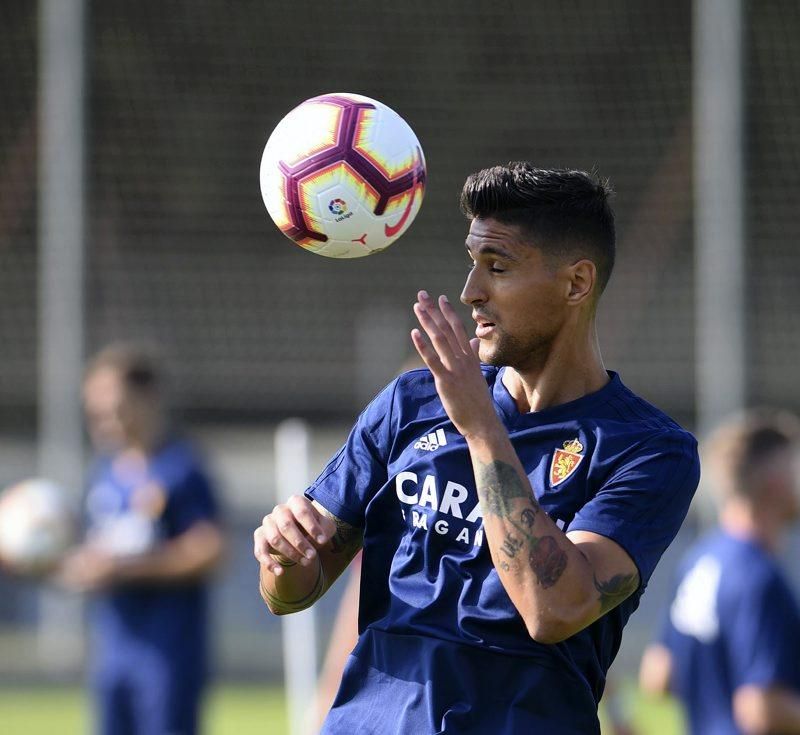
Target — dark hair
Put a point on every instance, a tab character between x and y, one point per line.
741	448
137	364
566	213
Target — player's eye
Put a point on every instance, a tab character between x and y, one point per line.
496	268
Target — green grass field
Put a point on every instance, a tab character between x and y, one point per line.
233	710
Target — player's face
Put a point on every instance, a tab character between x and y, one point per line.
518	297
104	402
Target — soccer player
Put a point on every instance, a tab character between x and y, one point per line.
153	537
729	646
511	499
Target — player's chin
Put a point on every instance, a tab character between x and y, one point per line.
487	352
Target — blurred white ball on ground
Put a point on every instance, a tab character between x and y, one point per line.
37	526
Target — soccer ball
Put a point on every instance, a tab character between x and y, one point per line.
343	175
36	526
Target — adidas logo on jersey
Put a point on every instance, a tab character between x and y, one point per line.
431	442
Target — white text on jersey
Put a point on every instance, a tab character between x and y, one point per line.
432	505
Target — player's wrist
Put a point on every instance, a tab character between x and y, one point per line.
485	435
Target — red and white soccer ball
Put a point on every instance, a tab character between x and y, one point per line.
343	175
36	526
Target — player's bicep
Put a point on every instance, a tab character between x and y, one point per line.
615	575
340	550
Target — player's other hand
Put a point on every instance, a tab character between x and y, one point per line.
291	534
86	569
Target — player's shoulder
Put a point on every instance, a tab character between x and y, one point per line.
414	381
419	384
634	437
179	457
179	449
633	416
423	375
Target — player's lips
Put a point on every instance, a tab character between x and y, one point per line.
484	327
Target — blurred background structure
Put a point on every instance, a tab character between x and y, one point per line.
179	99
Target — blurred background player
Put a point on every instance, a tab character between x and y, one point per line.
152	539
730	646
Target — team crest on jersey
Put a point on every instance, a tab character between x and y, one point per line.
565	461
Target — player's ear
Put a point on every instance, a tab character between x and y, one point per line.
582	280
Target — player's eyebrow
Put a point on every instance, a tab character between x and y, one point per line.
489	250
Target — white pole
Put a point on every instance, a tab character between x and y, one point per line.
292	466
61	244
719	211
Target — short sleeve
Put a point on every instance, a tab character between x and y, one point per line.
762	640
644	502
193	500
358	469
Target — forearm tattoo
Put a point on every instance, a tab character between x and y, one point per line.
511	545
278	605
615	590
347	539
498	486
499	489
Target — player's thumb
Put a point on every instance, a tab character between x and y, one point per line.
475	344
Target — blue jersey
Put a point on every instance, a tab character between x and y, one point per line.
132	506
442	647
733	621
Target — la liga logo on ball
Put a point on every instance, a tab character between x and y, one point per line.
339	208
343	175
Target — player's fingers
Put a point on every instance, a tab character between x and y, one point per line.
292	532
434	312
262	551
449	313
284	538
426	351
438	339
311	520
475	346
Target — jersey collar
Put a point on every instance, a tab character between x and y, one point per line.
570	410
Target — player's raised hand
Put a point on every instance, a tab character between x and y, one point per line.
291	534
453	360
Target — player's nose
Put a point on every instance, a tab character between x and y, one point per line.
473	292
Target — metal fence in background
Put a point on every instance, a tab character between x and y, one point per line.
182	96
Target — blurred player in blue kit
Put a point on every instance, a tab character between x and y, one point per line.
729	648
512	499
152	540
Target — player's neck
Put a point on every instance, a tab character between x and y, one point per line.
571	369
148	438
